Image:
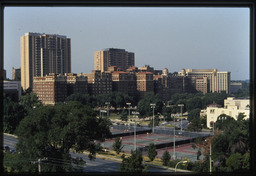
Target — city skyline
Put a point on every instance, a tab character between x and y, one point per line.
196	38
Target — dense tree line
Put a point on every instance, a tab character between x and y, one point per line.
50	132
230	147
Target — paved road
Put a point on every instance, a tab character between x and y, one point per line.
96	165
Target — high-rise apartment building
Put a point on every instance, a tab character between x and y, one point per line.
113	57
42	54
218	81
16	74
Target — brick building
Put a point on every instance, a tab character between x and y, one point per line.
51	88
99	82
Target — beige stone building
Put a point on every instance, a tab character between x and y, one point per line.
218	81
113	57
232	107
42	54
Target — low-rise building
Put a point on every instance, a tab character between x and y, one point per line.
12	89
232	107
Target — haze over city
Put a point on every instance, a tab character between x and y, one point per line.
173	38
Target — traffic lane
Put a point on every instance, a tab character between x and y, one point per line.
96	165
10	141
102	165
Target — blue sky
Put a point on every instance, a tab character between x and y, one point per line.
173	38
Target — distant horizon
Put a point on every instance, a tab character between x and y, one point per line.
173	38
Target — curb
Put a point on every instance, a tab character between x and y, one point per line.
7	134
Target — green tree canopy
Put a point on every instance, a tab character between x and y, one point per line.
144	107
133	163
152	153
166	158
195	113
13	113
117	145
50	132
30	101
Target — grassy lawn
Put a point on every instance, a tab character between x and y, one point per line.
112	154
114	116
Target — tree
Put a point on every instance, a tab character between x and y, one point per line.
30	101
124	116
166	158
51	132
12	115
195	113
117	145
234	162
152	153
133	163
85	99
195	125
144	107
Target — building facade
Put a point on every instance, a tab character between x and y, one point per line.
124	82
113	57
232	107
145	83
12	89
16	74
42	54
76	84
99	82
217	81
51	88
235	86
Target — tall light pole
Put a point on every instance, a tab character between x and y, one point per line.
129	104
102	111
134	142
107	103
153	105
181	105
174	154
210	156
183	162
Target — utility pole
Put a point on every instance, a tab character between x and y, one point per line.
39	162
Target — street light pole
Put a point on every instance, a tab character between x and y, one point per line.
181	105
129	104
134	143
153	105
174	154
183	162
210	157
107	103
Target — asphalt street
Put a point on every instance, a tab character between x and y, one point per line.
96	165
